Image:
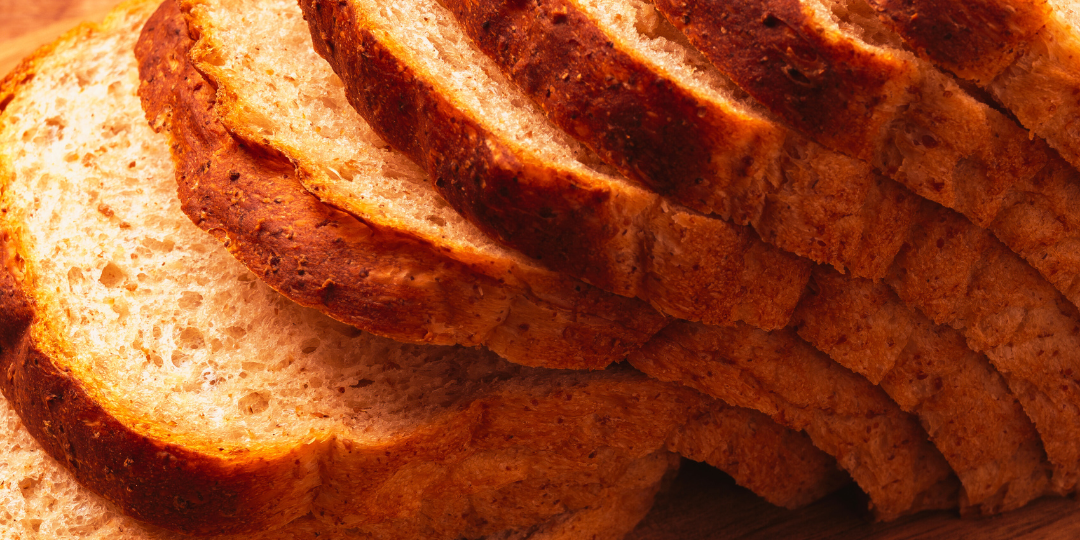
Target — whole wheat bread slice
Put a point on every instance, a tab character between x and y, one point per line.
411	269
835	73
411	73
168	379
774	462
1026	54
619	78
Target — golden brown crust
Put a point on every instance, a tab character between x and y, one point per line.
976	39
571	223
883	448
828	89
962	402
598	93
318	256
709	157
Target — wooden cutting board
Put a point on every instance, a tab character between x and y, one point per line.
702	503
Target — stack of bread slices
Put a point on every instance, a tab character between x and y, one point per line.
452	269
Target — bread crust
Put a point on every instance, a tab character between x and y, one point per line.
963	403
321	257
884	449
620	239
707	154
831	90
976	39
488	453
934	138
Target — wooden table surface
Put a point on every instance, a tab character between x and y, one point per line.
703	503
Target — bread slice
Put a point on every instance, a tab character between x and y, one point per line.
1024	53
39	499
847	82
883	448
964	404
607	73
450	285
617	76
781	466
410	71
164	376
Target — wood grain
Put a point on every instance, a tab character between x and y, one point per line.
702	503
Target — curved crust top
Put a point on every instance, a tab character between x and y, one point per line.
386	283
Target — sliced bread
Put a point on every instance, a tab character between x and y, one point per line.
1025	53
834	72
884	449
165	377
788	472
402	275
616	76
413	75
964	404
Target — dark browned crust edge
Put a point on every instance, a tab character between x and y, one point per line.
250	198
547	213
600	95
771	50
661	135
976	39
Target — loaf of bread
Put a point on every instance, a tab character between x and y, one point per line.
165	377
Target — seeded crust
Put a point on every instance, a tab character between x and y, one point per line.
883	448
488	458
706	151
919	128
380	280
611	234
963	403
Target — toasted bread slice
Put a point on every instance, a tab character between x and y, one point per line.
451	286
617	76
883	448
167	378
1025	53
964	404
411	72
833	71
